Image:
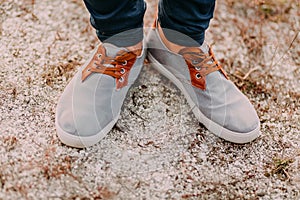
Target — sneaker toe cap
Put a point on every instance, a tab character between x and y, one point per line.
66	123
243	119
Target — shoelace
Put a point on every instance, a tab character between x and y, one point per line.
200	65
117	67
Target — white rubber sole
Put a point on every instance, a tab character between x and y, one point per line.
80	141
215	128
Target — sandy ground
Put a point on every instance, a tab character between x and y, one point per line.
157	150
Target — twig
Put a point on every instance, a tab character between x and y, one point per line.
286	51
274	56
249	72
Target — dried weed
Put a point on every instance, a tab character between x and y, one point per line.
61	72
9	142
280	168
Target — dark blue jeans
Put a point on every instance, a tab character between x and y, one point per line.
125	19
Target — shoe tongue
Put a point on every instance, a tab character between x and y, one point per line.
204	47
112	50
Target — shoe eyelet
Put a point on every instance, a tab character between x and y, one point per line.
122	71
198	68
198	76
195	62
121	80
124	63
99	55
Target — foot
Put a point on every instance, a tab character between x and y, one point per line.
91	103
215	101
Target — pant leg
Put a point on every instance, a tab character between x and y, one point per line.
189	17
122	19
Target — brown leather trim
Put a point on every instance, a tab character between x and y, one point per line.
130	58
120	68
87	71
200	65
154	25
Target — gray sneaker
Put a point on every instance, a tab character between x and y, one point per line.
215	101
91	103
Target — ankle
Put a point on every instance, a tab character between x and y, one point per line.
170	45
